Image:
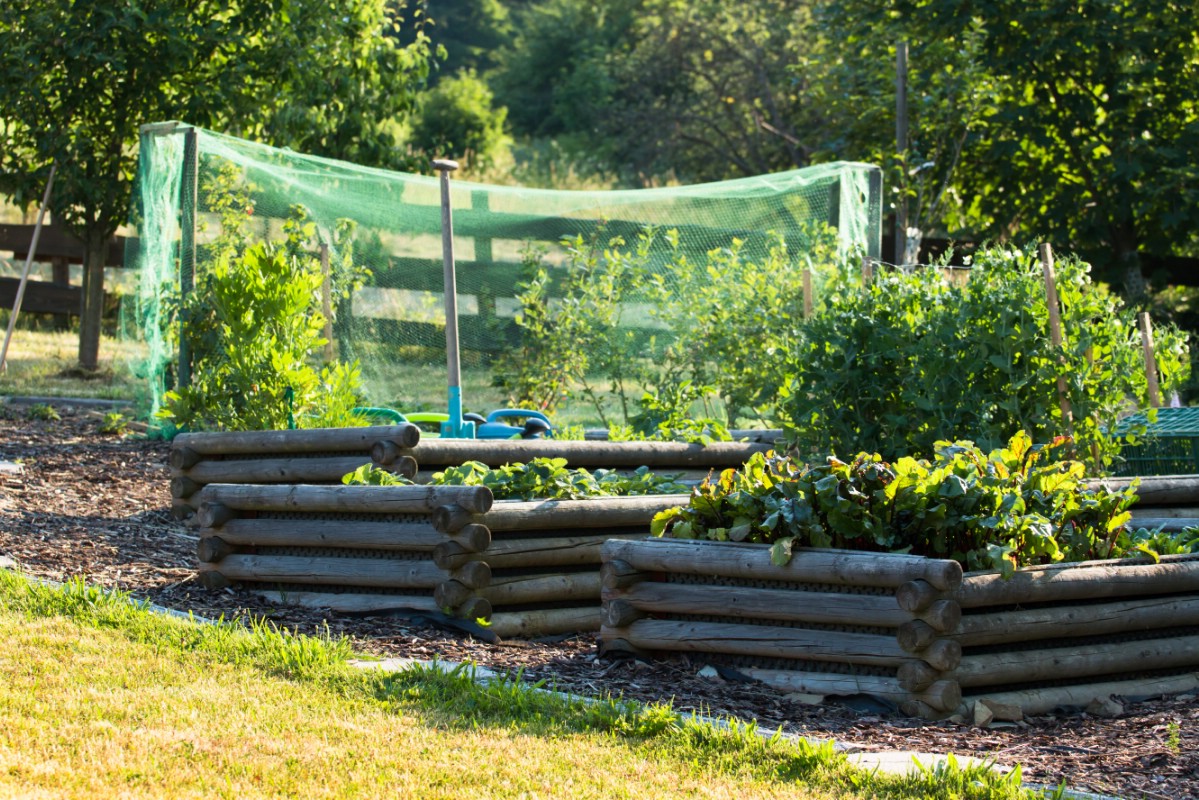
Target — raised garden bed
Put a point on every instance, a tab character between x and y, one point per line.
912	630
529	568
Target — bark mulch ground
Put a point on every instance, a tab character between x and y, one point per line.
93	506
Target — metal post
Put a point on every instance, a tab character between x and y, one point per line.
37	233
455	427
190	191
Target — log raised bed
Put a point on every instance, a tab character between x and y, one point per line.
316	456
914	631
529	568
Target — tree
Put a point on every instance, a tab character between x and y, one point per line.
456	118
78	78
1090	139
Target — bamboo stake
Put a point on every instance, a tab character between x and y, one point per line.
1155	399
1055	332
33	242
327	300
807	292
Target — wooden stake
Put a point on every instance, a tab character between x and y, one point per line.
327	301
1155	400
1055	333
37	232
807	292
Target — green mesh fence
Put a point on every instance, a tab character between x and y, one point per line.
379	236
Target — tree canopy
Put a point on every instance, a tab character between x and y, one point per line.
78	79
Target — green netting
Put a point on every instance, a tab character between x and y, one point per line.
1169	445
394	322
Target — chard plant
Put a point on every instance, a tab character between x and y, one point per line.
1007	508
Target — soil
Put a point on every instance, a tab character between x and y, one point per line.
94	506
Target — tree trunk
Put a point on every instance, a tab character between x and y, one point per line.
92	311
1128	260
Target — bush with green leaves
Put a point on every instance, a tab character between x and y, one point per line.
253	325
913	359
458	118
1009	508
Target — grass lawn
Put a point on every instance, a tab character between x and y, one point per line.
102	699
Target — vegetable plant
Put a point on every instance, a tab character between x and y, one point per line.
1014	506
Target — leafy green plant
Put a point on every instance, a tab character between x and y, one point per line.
44	412
539	479
253	326
912	359
666	416
1000	510
114	423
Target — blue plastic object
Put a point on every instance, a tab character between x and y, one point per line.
536	425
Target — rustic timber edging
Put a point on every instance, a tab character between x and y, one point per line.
316	456
911	630
530	568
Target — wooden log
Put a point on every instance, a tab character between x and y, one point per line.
540	552
473	538
1103	619
921	710
1089	581
364	534
183	486
213	548
353	603
610	645
476	575
182	510
619	613
452	517
365	572
451	594
1163	512
1033	702
942	654
807	565
916	676
1171	524
286	470
1155	490
314	440
386	452
1081	661
213	580
943	616
474	608
545	622
214	515
357	499
762	640
916	596
915	636
618	574
583	586
830	608
183	458
567	515
591	454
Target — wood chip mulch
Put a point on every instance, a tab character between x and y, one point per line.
93	506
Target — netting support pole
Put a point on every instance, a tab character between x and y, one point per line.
37	233
189	188
1155	399
874	202
901	147
455	426
1055	333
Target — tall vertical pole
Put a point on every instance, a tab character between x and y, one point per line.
901	147
190	191
1055	333
37	234
1155	399
455	427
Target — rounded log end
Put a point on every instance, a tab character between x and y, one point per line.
916	676
475	608
183	458
944	615
214	515
214	581
619	613
915	636
942	695
450	594
944	574
450	555
183	486
474	575
915	596
943	655
408	435
450	518
474	537
619	574
406	466
481	500
212	549
384	453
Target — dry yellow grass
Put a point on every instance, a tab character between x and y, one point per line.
87	713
